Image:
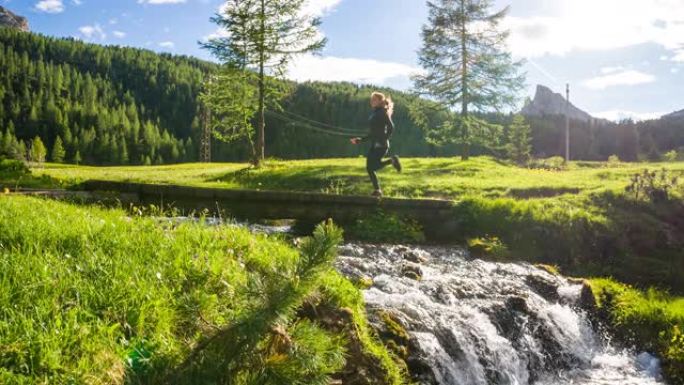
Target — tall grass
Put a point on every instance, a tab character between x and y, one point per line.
651	320
92	296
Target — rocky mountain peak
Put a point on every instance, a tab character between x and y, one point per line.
675	115
9	19
546	102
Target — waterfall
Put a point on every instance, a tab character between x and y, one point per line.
476	322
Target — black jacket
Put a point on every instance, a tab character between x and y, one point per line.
380	127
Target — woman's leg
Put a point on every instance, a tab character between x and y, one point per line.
374	163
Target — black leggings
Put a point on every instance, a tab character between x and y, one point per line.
374	163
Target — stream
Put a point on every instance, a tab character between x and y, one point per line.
476	322
473	322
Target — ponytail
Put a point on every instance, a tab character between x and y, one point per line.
389	106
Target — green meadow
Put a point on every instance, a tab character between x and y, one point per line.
448	178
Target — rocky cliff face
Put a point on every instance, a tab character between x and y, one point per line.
547	102
9	19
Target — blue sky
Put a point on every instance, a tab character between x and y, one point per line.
621	57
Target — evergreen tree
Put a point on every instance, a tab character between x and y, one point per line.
77	158
38	150
58	152
5	144
263	35
232	98
20	152
519	147
123	148
467	66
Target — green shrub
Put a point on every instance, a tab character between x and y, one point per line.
554	163
656	186
384	227
14	168
670	156
613	160
489	247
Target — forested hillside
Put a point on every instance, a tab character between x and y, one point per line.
652	140
108	105
115	105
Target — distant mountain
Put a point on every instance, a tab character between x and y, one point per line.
674	116
549	103
9	19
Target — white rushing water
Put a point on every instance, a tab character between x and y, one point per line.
476	322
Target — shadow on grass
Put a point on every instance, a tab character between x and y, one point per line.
541	192
13	181
331	179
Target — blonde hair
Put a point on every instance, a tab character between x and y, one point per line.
385	100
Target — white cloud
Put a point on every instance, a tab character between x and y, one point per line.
309	67
620	78
598	25
314	8
679	56
217	34
76	2
167	44
610	70
618	115
119	34
93	31
319	7
157	2
50	6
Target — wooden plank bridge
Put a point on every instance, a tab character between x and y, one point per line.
435	216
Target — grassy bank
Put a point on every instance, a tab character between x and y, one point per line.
95	297
604	234
578	217
652	321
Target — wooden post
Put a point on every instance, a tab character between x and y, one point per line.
567	123
205	142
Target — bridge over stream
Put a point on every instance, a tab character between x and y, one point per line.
435	216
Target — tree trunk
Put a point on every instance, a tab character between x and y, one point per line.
262	119
261	143
464	85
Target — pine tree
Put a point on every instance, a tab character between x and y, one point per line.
466	66
123	159
58	152
38	150
5	144
20	152
77	158
519	147
232	98
264	35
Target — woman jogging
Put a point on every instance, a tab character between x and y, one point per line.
380	131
